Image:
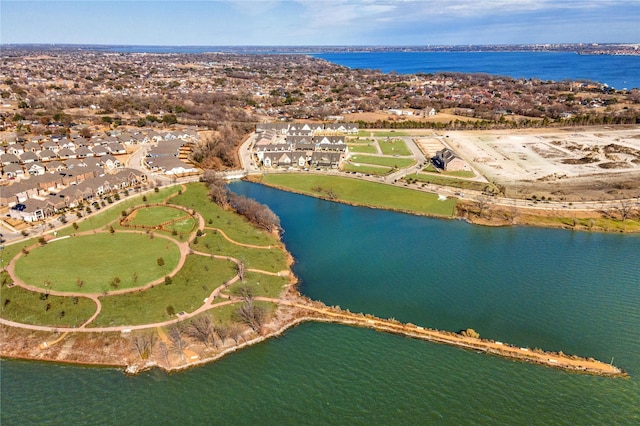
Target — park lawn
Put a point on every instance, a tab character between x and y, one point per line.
235	226
365	193
97	259
155	215
271	260
394	147
389	134
199	276
449	181
366	169
365	149
399	163
28	307
261	285
358	140
114	212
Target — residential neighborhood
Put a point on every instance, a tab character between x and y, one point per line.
43	176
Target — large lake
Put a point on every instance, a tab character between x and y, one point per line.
621	72
558	290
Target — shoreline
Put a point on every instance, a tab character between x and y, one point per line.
115	347
495	222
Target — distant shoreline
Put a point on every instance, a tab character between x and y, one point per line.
631	49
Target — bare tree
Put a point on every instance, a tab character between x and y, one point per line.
241	270
482	204
164	352
201	329
144	344
624	209
235	332
248	313
177	341
222	331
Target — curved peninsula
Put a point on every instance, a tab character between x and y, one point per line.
230	286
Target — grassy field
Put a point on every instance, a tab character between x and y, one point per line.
236	227
364	149
366	169
100	220
394	147
388	134
195	281
28	307
155	215
272	260
96	261
465	174
399	163
365	193
449	181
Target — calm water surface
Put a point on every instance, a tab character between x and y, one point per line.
558	290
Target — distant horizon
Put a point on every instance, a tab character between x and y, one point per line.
422	46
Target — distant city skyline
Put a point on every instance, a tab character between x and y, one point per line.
319	22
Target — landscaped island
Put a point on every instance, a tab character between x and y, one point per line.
171	279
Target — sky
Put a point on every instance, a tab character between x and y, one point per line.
319	22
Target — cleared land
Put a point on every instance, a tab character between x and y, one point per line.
570	164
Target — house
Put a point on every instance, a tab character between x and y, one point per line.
6	159
36	169
13	171
325	159
446	159
28	157
31	210
47	155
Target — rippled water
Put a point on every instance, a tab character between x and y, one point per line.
560	290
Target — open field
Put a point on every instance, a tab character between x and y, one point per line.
394	147
28	307
194	282
365	193
572	164
363	149
383	161
96	261
366	169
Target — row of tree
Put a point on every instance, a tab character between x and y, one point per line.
256	213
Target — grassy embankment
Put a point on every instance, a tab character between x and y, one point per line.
364	193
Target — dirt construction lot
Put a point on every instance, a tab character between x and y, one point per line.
571	164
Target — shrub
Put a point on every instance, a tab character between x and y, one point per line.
160	261
167	280
171	311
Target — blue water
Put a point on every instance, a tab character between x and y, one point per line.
616	71
620	72
560	290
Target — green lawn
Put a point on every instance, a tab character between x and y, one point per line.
236	227
366	169
97	260
360	140
437	179
273	260
388	134
187	291
28	307
394	147
113	212
155	215
260	285
365	149
399	163
365	193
